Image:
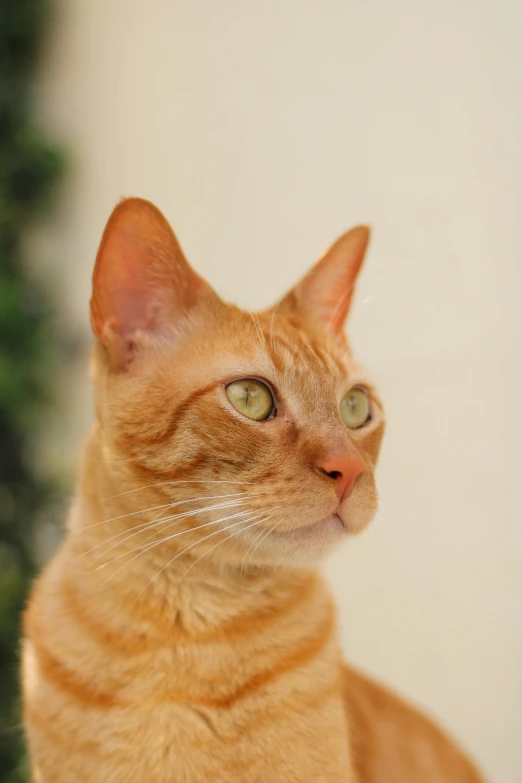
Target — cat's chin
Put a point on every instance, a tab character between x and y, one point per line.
306	544
331	526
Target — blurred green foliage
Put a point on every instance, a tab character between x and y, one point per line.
29	170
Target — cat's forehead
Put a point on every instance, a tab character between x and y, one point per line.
294	350
303	368
280	350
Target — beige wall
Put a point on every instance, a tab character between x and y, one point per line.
263	130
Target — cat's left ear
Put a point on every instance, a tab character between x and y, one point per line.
144	289
324	295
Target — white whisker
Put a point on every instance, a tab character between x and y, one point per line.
160	521
256	522
255	321
188	548
257	540
271	332
179	481
155	508
146	547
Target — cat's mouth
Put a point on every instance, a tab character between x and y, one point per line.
328	526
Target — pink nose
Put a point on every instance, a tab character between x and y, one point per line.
343	468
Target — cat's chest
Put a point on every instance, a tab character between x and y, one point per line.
216	710
259	710
302	738
259	702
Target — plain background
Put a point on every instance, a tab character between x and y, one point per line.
264	130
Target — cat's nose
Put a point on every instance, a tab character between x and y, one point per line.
343	468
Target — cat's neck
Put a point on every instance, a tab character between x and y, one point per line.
109	549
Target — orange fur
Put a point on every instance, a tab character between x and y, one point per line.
182	632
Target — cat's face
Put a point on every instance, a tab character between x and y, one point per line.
267	418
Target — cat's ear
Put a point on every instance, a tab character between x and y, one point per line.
324	295
143	287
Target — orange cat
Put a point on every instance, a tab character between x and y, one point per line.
182	631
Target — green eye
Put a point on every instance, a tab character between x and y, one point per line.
251	398
355	408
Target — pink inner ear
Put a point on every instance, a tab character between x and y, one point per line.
141	281
324	295
123	287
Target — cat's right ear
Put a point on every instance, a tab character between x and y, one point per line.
324	295
143	288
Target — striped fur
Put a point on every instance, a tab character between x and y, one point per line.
182	631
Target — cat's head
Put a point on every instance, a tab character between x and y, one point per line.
263	421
